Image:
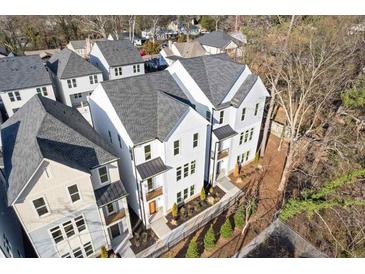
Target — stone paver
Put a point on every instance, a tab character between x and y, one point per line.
160	228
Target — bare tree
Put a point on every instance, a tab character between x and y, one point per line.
96	24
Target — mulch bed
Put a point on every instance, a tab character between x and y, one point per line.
193	208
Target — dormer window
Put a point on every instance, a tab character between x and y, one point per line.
93	79
14	96
71	83
103	174
42	91
136	68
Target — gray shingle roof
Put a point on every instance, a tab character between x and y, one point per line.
22	72
148	105
44	128
244	90
214	74
152	168
67	64
110	193
224	132
78	44
190	49
119	52
217	39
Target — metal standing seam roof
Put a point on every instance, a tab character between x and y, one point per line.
152	168
21	72
218	39
67	64
119	52
214	74
224	132
109	193
46	129
149	105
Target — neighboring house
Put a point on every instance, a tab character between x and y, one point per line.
21	78
82	47
64	182
228	95
239	36
45	54
117	59
182	50
160	139
137	39
74	79
220	42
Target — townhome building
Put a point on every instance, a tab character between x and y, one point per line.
219	42
160	139
228	95
74	79
117	59
137	39
64	182
22	77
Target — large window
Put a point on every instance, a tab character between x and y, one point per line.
14	96
80	223
114	231
103	174
178	173
186	170
74	193
257	108
176	147
221	117
178	197
78	253
195	139
69	229
243	114
40	206
147	152
192	167
56	234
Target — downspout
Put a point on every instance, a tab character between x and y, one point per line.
138	190
210	147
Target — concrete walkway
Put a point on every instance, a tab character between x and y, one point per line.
160	227
227	186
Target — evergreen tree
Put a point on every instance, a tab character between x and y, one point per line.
239	218
226	229
192	251
209	239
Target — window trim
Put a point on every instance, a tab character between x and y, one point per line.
53	238
177	198
186	191
69	223
186	170
176	148
178	173
76	193
80	217
92	248
195	140
110	230
192	167
192	187
107	209
106	173
147	155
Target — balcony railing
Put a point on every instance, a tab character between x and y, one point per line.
223	153
154	193
115	217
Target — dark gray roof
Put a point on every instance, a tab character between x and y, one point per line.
224	132
244	90
68	64
149	105
125	35
152	168
44	128
119	52
22	72
217	39
214	74
110	193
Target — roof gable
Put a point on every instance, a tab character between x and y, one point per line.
68	64
44	128
218	39
22	72
149	105
119	52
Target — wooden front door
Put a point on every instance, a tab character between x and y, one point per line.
152	206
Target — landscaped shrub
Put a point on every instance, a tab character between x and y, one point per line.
209	239
239	218
103	252
192	251
174	210
226	229
203	196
